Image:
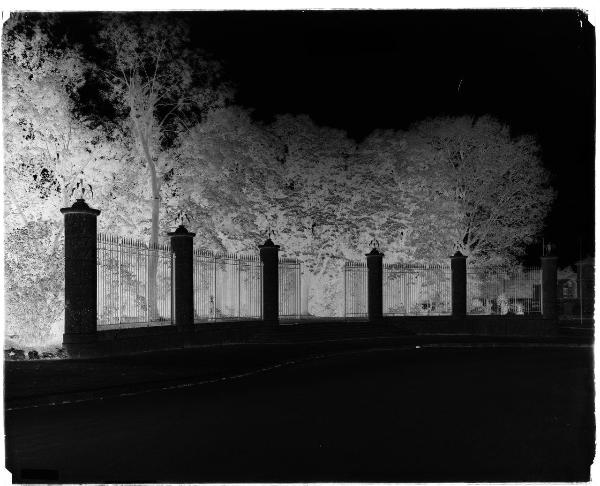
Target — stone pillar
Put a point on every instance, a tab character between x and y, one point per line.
549	307
80	276
269	256
375	284
458	265
182	245
585	286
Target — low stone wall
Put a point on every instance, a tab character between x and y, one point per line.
477	325
140	339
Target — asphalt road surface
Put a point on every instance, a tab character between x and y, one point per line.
427	414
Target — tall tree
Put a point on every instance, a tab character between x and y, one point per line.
483	191
160	88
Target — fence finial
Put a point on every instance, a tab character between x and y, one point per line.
374	244
181	218
549	249
81	186
269	241
270	232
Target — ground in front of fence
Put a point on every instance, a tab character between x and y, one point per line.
427	414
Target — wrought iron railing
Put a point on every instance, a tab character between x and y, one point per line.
290	272
134	283
495	290
413	289
355	289
227	286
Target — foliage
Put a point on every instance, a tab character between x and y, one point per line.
158	87
226	180
483	192
47	149
172	144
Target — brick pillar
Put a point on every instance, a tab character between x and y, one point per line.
182	245
375	284
458	265
549	307
585	286
80	276
269	256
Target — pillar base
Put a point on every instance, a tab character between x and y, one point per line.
72	338
80	345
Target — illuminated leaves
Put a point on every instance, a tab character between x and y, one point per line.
486	189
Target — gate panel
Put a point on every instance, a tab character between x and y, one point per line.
227	286
289	287
355	289
495	290
413	289
134	282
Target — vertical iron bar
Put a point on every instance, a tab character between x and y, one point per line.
172	287
214	307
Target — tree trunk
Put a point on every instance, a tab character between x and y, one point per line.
153	257
153	313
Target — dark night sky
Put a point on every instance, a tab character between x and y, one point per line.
361	70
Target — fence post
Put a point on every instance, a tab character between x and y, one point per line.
80	276
549	281
585	286
269	256
458	265
375	284
182	245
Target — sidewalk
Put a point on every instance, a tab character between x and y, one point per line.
39	382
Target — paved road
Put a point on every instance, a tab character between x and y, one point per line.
487	414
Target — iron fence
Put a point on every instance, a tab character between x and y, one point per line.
355	289
413	289
289	287
494	290
227	286
134	283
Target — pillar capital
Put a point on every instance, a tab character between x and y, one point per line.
374	253
268	245
81	207
549	258
181	231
